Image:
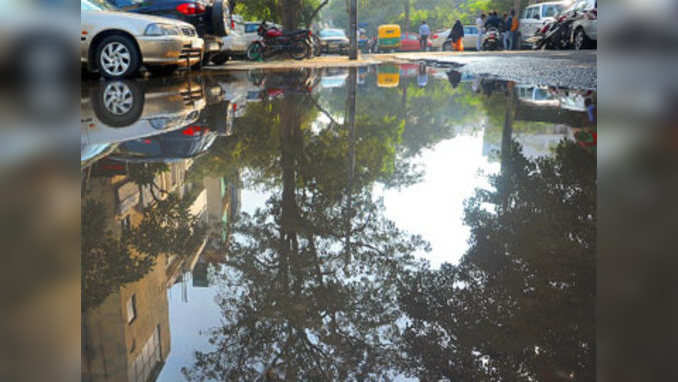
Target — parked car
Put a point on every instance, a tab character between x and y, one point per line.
409	42
439	38
585	28
535	16
233	45
333	41
211	18
118	43
190	142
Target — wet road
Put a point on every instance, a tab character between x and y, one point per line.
391	222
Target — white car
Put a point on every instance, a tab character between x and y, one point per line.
439	38
536	16
585	28
118	43
235	44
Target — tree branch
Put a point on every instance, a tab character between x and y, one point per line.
315	13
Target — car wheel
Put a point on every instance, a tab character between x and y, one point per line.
118	103
580	40
117	57
161	70
447	47
220	59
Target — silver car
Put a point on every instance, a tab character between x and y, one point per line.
585	28
470	37
118	43
535	16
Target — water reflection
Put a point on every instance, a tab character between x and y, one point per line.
320	281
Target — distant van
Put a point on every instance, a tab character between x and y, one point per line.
536	15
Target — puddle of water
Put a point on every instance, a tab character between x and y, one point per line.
378	222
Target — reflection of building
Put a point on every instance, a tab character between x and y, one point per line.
537	142
127	336
223	204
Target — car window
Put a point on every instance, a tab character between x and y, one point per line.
251	28
474	30
125	3
550	10
535	13
96	5
332	33
413	37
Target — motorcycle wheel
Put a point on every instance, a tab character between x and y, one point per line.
255	52
301	50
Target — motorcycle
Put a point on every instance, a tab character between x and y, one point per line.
274	41
556	34
492	40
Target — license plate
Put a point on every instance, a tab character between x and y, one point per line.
213	46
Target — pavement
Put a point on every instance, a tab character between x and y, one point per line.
572	69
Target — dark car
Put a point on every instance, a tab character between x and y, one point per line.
190	142
211	18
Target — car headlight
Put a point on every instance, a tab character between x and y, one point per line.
162	30
159	123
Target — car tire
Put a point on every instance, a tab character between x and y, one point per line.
581	41
118	103
447	47
161	70
117	57
220	59
219	16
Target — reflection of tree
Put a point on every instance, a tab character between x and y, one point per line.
110	260
521	302
294	308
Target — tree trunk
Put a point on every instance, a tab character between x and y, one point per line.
353	30
406	23
289	9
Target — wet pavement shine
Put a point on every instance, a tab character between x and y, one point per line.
393	222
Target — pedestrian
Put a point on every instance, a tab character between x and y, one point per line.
508	35
480	24
515	24
422	75
424	32
458	36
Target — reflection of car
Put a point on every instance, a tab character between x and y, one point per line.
537	95
537	15
409	42
333	78
470	38
333	41
585	28
118	111
211	18
118	43
90	154
189	142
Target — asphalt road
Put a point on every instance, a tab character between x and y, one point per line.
573	69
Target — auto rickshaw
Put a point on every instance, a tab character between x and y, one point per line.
388	76
388	37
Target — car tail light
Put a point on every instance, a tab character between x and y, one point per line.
192	131
435	37
544	29
232	24
562	18
191	8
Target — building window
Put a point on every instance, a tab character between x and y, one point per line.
131	309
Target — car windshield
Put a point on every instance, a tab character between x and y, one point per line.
251	28
332	33
126	3
551	10
96	5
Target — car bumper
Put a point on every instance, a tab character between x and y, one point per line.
171	50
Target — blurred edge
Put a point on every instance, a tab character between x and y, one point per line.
638	185
39	174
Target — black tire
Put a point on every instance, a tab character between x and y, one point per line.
581	41
122	91
134	59
301	50
447	47
255	51
161	70
220	14
220	59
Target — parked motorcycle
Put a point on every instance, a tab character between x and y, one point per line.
492	40
274	41
556	34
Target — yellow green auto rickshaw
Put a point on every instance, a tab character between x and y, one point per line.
388	37
388	76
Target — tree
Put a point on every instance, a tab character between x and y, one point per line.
521	302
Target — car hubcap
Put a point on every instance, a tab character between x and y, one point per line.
115	59
118	98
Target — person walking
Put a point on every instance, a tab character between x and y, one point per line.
515	24
480	24
424	32
508	35
458	36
